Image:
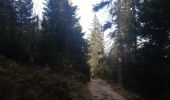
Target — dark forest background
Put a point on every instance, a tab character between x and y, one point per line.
42	59
139	59
49	59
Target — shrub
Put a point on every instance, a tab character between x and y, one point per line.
37	83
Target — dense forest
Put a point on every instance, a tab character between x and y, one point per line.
48	58
42	59
139	60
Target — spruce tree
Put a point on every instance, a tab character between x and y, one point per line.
123	13
154	55
11	40
62	41
96	42
26	23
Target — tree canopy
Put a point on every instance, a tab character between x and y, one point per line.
141	47
43	59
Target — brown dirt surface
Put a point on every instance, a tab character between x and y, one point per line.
101	90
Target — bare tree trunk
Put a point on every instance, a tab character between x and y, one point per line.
120	45
120	72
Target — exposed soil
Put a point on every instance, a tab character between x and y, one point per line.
101	90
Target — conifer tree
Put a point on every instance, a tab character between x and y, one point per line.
153	57
11	40
123	13
62	41
26	23
96	42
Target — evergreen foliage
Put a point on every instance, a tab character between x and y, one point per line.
143	66
48	61
62	36
96	46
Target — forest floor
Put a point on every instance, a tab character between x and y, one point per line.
101	90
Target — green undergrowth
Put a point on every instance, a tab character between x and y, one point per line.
18	82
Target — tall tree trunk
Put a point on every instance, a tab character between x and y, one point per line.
120	46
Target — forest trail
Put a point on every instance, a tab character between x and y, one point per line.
101	90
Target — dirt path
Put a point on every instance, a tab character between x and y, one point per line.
101	90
